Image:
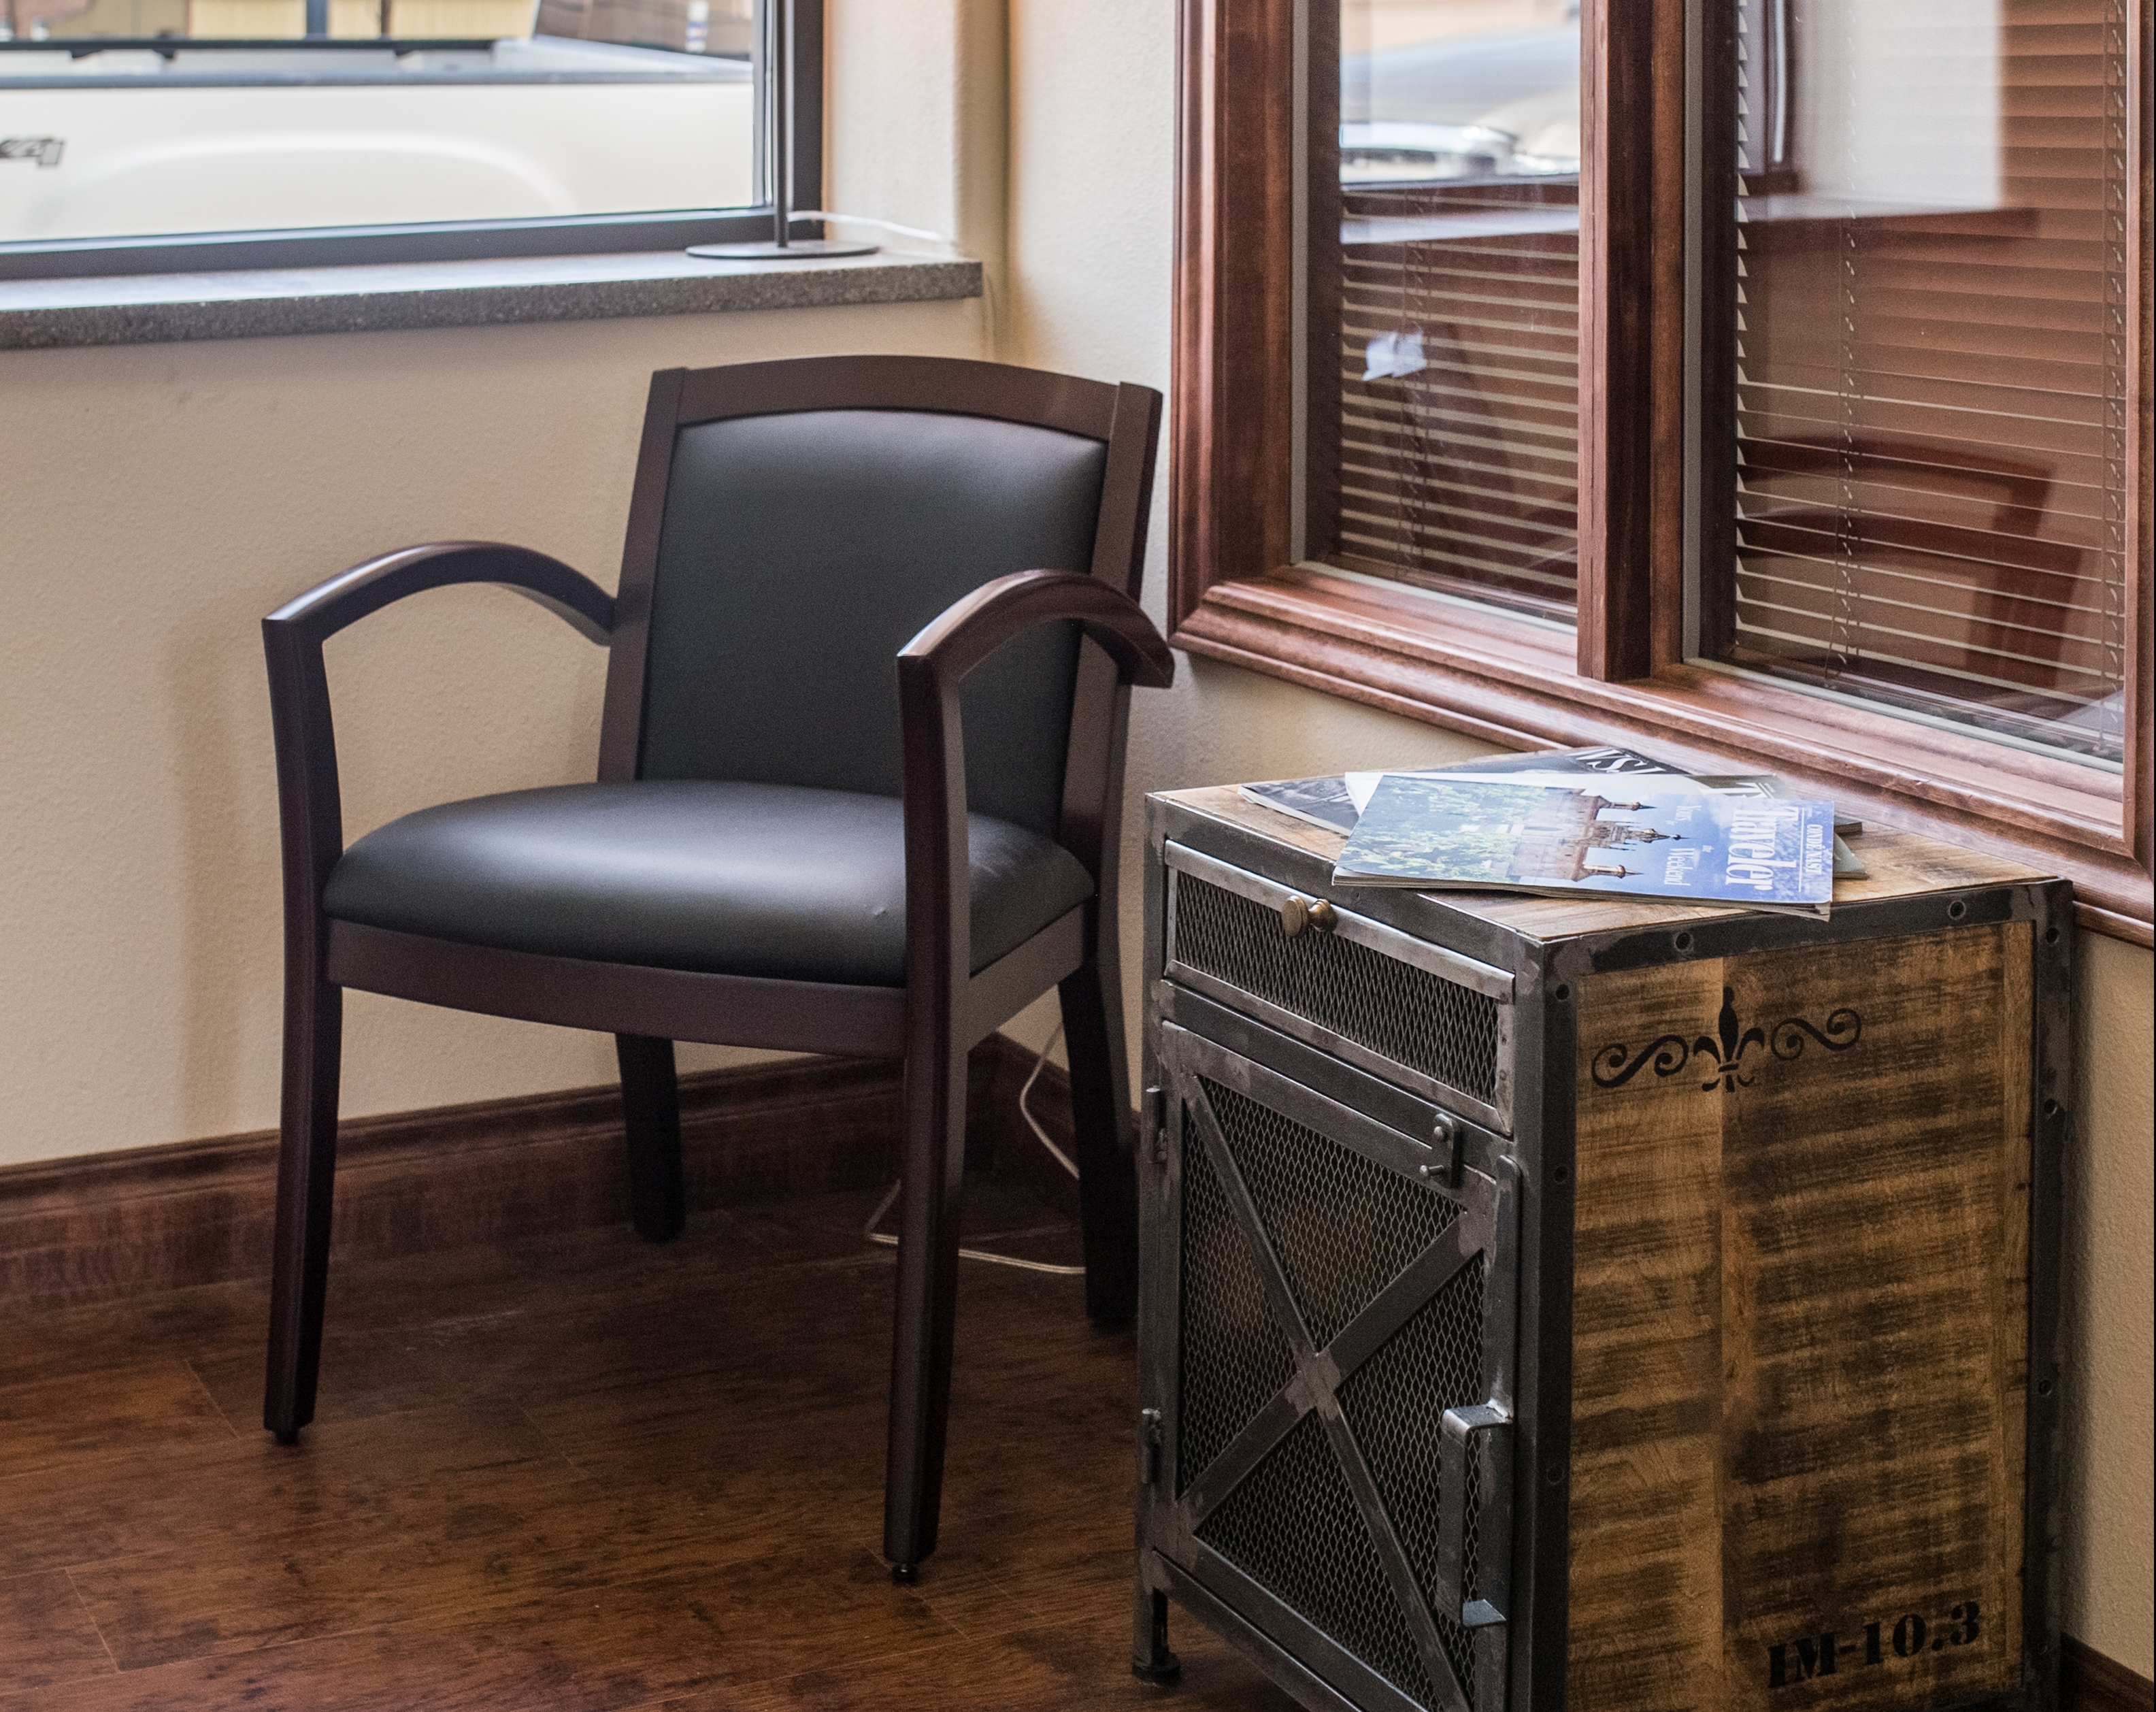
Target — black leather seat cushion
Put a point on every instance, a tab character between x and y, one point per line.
779	881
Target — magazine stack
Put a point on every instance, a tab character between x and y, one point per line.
1603	821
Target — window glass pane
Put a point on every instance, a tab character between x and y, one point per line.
140	117
1930	358
1445	297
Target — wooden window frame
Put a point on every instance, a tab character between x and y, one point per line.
1621	676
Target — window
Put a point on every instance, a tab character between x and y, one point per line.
1454	286
1921	473
1763	378
148	136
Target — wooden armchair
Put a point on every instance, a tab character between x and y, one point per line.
790	844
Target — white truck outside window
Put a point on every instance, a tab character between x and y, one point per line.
221	116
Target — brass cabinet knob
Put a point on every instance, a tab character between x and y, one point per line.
1315	913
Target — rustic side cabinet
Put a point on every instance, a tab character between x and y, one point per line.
1585	1305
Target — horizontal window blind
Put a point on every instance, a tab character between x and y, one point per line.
1459	413
1931	354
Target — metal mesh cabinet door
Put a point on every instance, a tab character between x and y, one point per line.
1328	1379
1414	1013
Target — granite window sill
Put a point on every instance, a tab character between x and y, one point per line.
156	308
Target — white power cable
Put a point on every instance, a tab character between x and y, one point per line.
1033	1124
925	236
987	274
1062	1158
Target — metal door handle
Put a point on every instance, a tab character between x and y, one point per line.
1482	1431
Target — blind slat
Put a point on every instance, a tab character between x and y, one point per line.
1930	408
1463	475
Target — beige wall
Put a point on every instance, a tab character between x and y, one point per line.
160	499
2109	1193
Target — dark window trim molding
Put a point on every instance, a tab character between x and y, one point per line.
1619	677
469	241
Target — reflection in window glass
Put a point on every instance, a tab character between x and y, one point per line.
150	117
1929	358
1444	446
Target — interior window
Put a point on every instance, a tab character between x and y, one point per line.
1758	376
1924	332
1915	371
1445	293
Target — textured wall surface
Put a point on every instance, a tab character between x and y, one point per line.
2109	1193
160	500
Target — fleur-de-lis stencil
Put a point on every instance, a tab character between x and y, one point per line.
1616	1065
1734	1045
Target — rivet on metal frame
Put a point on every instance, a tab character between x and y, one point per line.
1444	1133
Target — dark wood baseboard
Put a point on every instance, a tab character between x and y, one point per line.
2091	1682
199	1212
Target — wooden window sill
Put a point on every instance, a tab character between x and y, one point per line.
1512	682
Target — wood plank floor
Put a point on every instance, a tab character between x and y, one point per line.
582	1473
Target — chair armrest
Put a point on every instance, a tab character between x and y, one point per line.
974	627
938	888
327	608
310	812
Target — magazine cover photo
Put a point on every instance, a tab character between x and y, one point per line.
1759	852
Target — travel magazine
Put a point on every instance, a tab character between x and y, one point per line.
1322	802
1399	851
1620	836
1336	803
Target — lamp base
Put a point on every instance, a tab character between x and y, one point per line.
800	248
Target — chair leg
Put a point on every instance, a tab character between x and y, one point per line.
306	1174
1107	1173
935	1179
658	1205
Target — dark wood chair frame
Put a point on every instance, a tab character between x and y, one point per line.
931	1022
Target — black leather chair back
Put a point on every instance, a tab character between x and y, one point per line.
800	552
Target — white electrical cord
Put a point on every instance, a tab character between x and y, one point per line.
925	236
1041	1136
1033	1124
